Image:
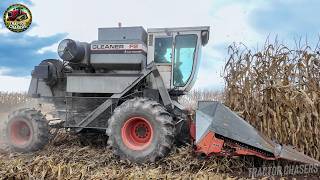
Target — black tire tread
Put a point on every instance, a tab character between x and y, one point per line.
40	123
160	113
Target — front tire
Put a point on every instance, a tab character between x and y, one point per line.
27	130
141	130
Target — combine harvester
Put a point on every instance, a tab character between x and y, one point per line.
126	85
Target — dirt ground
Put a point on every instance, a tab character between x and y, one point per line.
66	158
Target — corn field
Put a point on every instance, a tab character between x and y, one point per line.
278	91
10	100
191	99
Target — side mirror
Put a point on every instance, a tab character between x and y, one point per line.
204	37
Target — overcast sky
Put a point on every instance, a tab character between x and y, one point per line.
247	21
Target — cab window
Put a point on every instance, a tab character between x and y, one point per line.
185	47
163	50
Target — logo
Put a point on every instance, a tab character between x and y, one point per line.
99	46
17	18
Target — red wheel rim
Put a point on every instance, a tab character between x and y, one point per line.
20	132
137	133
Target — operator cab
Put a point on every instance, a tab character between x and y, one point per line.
176	53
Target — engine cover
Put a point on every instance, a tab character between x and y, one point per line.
119	48
115	55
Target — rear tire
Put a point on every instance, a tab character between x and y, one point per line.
141	130
27	130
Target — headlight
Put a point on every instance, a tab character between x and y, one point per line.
70	50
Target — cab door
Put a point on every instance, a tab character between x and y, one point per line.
185	60
162	49
176	53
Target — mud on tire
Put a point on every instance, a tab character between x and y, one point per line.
27	130
141	130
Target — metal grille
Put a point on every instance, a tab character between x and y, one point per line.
150	40
80	107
